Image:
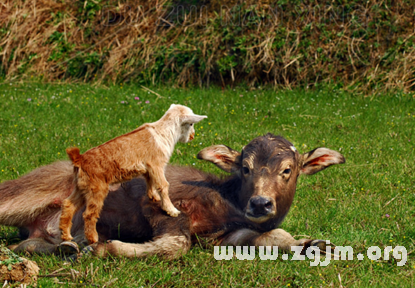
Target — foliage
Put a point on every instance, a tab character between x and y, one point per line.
8	257
290	43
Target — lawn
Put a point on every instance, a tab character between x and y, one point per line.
369	201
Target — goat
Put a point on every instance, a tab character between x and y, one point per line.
144	151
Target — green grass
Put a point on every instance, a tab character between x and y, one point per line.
346	204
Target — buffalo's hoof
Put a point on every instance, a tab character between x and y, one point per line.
86	251
67	250
81	241
321	245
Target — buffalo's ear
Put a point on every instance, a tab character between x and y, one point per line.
222	156
319	159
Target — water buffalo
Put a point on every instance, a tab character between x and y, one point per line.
242	209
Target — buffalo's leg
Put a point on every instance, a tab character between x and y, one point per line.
50	246
171	239
41	246
168	246
276	237
34	246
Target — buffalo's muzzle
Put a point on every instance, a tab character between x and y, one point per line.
260	206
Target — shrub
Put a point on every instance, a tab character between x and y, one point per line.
367	45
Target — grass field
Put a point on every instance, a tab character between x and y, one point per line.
369	201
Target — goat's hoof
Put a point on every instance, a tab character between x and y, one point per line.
66	238
92	238
173	213
67	249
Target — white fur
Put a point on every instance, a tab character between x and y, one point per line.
178	128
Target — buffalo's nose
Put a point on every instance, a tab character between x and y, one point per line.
260	206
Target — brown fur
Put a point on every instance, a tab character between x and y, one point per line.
214	209
144	151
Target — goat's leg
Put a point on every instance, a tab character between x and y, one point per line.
152	192
161	184
70	206
94	203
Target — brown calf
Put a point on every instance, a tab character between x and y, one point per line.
242	209
144	151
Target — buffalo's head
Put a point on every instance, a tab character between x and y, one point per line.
268	168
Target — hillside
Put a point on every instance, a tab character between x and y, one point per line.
290	43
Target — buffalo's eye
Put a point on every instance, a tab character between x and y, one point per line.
287	171
245	170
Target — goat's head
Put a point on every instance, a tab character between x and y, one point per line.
268	168
186	119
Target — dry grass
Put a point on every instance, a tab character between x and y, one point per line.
304	43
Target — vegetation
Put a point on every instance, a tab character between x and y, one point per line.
8	258
369	201
369	45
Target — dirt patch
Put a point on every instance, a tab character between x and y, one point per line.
16	269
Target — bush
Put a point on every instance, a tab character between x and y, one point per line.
288	43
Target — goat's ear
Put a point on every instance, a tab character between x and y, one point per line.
222	156
319	159
191	119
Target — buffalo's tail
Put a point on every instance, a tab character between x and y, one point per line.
36	196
